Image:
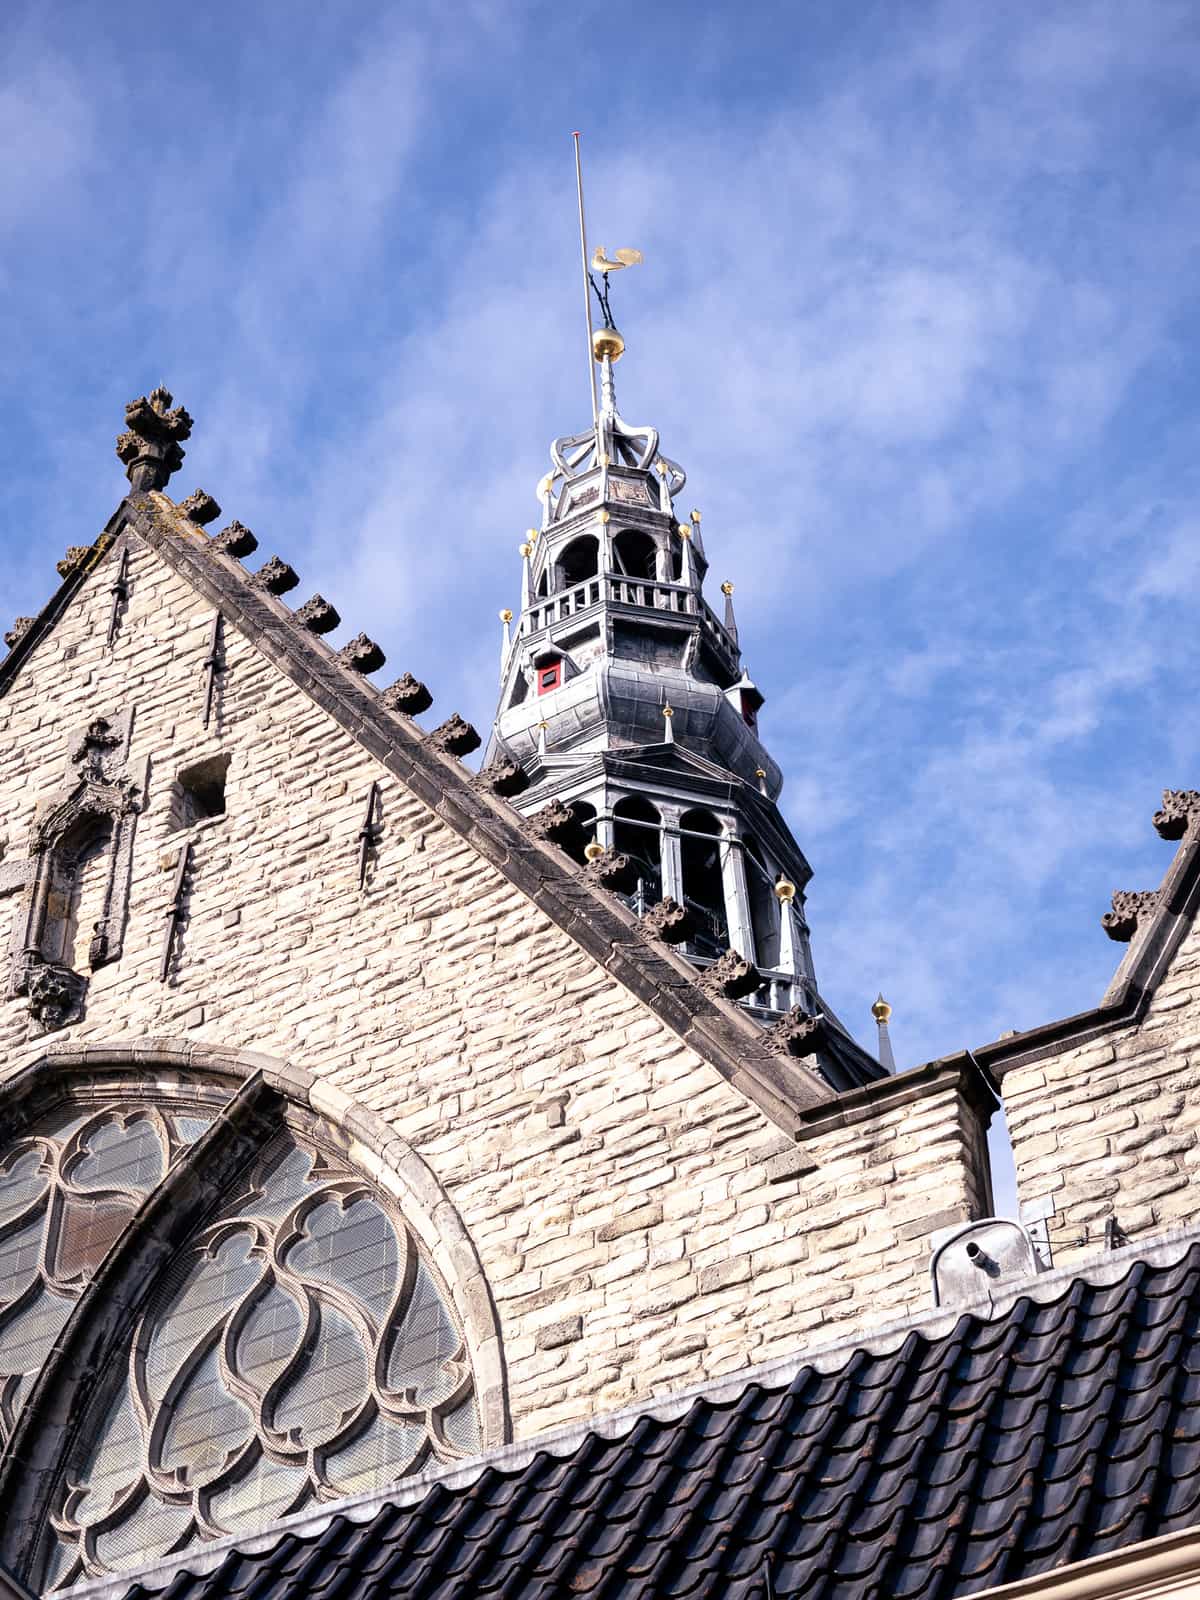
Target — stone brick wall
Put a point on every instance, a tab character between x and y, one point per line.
641	1224
1109	1129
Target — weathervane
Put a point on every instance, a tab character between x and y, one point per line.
605	343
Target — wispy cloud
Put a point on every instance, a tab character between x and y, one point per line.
916	291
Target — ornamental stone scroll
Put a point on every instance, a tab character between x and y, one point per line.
93	815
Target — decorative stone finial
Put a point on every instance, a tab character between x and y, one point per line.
556	822
200	507
731	976
1129	909
76	555
669	921
18	631
362	654
455	736
504	778
407	696
317	615
611	869
1181	807
797	1033
236	540
275	576
151	449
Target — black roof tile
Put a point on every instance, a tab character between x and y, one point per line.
1064	1429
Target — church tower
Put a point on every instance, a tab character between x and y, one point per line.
624	696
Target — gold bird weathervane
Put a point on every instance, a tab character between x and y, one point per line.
606	341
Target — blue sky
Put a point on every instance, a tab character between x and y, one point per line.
918	315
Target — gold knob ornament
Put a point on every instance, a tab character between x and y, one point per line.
607	342
785	891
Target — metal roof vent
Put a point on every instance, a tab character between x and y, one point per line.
971	1260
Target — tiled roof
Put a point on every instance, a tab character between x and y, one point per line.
1065	1428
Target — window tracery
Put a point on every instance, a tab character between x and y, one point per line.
298	1349
68	1188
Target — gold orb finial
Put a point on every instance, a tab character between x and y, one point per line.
607	342
881	1011
545	484
506	615
727	588
668	712
605	517
593	850
785	891
695	515
526	550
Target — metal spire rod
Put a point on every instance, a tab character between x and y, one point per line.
587	301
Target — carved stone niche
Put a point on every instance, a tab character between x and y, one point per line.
79	860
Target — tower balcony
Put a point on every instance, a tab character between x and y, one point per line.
635	597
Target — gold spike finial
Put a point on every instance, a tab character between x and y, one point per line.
881	1011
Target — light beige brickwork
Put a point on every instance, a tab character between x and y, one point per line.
640	1223
1111	1128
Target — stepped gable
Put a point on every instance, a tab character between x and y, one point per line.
940	1459
721	1032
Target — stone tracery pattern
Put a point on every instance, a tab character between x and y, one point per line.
68	1188
300	1350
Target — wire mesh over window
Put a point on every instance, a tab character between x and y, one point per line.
68	1189
298	1350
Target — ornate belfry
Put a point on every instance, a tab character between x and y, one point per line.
624	697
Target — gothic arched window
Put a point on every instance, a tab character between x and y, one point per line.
292	1342
68	1187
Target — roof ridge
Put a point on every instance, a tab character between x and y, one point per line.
934	1325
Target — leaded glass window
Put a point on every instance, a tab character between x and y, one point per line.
68	1188
299	1349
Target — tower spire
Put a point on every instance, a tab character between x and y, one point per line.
625	697
587	297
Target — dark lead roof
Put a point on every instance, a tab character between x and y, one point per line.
1064	1428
